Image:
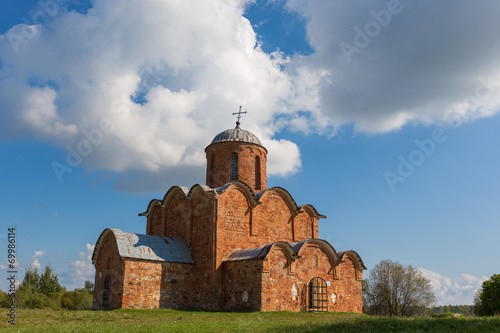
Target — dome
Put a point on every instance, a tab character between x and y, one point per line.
236	134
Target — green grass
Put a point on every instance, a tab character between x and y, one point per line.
199	321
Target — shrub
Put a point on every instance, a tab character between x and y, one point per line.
4	300
446	315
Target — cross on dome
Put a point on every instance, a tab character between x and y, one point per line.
239	113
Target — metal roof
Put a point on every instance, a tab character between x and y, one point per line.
147	247
259	252
249	254
236	134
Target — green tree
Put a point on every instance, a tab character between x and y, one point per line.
393	289
31	278
487	300
49	282
38	291
89	286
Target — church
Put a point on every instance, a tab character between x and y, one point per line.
230	245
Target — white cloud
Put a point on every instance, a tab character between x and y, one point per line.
187	66
283	157
34	259
80	270
457	291
421	62
168	74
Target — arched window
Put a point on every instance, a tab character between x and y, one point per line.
318	295
257	172
234	167
106	292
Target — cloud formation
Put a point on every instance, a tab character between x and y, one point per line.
458	291
140	88
384	64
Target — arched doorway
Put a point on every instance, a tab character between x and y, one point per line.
106	292
318	295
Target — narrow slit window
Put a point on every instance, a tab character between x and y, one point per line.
234	167
257	173
212	171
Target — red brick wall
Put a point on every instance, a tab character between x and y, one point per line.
278	283
241	225
348	288
141	286
176	216
151	285
109	262
154	224
281	276
304	226
272	219
233	222
242	285
202	247
220	168
177	286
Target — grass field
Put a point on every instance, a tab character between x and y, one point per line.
198	321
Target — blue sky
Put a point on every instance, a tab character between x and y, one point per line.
342	95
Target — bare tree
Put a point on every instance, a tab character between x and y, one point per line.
393	289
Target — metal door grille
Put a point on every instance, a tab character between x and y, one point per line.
318	295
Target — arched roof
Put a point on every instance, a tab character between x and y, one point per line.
322	244
183	191
287	197
254	198
243	187
292	249
355	258
260	252
145	247
312	211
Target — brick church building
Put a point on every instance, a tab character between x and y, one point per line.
232	244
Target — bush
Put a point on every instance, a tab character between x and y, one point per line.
446	315
4	300
79	299
27	297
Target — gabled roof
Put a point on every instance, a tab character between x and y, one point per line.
145	247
